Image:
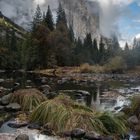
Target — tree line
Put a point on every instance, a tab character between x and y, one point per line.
49	44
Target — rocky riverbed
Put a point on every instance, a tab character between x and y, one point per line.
98	91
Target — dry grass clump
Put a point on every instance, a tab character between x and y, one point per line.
63	114
27	98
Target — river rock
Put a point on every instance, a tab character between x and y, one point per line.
5	99
34	126
13	107
17	125
117	108
43	80
45	87
51	95
92	136
85	93
78	133
133	120
2	80
22	137
1	108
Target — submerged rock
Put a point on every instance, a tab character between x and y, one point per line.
22	137
5	99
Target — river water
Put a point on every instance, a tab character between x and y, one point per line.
95	100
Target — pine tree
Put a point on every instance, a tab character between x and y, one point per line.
49	19
13	41
95	51
71	34
126	48
102	51
61	16
88	41
37	18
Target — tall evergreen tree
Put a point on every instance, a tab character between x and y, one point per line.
102	51
71	34
88	41
49	19
61	16
37	19
95	51
126	48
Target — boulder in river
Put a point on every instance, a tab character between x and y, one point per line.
22	137
13	107
5	99
133	120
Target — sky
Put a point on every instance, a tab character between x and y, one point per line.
129	22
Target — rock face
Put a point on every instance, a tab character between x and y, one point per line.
83	14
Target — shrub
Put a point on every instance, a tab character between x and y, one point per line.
116	63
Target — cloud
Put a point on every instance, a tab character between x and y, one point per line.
110	13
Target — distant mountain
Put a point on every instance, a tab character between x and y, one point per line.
83	14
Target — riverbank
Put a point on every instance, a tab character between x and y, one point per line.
99	92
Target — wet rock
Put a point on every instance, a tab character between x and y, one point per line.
51	95
76	92
17	125
92	136
117	108
78	133
2	108
22	137
45	88
34	126
85	93
133	120
46	92
29	81
43	80
5	99
2	80
66	134
13	107
16	85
